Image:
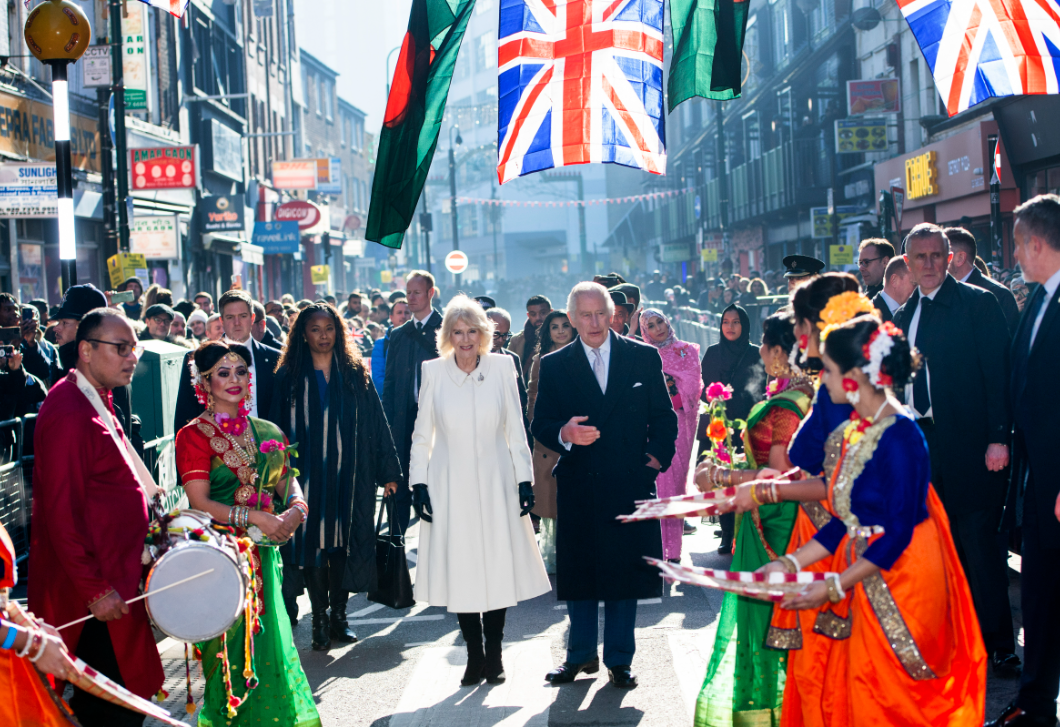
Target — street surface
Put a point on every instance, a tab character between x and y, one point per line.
405	670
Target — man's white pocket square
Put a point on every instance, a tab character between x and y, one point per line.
636	385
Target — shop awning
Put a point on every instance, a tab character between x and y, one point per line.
252	254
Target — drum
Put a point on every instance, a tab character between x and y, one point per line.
206	607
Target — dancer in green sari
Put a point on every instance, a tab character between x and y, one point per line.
745	679
234	467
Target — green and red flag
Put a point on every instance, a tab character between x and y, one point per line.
708	48
414	112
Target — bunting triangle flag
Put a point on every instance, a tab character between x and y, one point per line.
414	112
173	7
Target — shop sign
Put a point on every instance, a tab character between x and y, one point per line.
95	67
29	190
294	174
221	213
277	238
134	66
164	167
841	255
921	176
819	219
853	136
27	130
329	175
708	255
226	150
319	274
306	214
876	96
898	204
675	252
156	238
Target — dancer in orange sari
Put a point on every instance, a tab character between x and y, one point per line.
905	647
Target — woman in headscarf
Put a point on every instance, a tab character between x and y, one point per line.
685	383
733	361
328	405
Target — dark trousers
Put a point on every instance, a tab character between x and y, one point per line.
324	584
402	506
1040	600
620	618
728	528
96	649
982	555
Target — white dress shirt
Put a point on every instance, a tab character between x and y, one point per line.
892	304
605	356
420	323
253	375
914	326
965	278
1050	290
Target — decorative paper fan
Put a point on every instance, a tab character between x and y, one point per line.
701	504
770	586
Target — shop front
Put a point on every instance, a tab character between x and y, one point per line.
948	183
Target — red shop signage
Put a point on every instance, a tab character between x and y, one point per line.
166	167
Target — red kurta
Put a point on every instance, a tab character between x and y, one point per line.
90	519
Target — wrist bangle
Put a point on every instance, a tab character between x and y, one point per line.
788	564
835	590
42	645
773	490
794	561
12	633
26	647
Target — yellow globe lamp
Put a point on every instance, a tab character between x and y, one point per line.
57	30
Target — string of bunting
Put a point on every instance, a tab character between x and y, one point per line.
571	203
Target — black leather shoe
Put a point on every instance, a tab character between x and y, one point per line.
621	677
321	632
1006	664
566	672
340	628
1013	716
725	548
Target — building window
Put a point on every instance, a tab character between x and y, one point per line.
317	94
306	90
328	87
486	51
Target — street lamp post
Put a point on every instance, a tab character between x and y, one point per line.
57	33
452	191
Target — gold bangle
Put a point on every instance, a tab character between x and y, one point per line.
754	495
788	563
833	591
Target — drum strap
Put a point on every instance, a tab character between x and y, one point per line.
143	475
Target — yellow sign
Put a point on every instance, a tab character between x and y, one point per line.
27	129
127	265
921	177
709	255
385	276
320	274
841	254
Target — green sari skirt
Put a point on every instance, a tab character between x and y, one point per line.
745	679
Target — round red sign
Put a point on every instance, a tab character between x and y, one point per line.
306	214
456	261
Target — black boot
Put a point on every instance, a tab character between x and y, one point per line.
340	628
471	628
316	582
493	629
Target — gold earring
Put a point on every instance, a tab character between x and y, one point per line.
209	401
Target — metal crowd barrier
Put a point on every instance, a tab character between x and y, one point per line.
692	325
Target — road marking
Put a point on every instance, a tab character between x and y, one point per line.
167	643
433	696
399	619
690	664
372	608
420	643
641	602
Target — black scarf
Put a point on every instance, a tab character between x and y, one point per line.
733	353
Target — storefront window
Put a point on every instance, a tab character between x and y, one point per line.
1047	181
30	271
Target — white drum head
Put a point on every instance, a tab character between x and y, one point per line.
200	609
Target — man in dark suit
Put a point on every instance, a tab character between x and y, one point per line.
603	401
873	256
897	287
963	268
411	343
962	406
1035	351
237	317
502	334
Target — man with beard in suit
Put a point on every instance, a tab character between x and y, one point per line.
963	268
237	317
1035	351
603	400
411	343
962	406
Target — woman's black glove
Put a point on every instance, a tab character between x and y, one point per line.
526	498
421	503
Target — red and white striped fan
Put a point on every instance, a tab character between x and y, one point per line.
766	586
701	504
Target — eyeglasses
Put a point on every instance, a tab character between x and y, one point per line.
865	263
124	348
502	336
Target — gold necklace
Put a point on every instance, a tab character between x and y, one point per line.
242	451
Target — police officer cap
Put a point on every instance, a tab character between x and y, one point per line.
800	266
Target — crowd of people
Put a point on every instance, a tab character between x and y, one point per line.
894	446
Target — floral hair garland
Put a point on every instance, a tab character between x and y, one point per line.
878	348
841	308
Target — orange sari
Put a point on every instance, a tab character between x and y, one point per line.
903	648
29	700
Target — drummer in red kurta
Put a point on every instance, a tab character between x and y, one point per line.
90	518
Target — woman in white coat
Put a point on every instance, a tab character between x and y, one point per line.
473	471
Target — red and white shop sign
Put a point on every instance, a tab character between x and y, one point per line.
306	214
164	167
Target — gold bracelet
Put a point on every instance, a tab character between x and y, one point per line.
728	479
754	495
789	566
833	590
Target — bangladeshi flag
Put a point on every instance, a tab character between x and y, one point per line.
414	114
708	48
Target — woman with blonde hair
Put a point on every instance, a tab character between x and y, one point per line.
472	488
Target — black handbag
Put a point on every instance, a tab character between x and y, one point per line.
394	587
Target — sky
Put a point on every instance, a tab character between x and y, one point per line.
354	37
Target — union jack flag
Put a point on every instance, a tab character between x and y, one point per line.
580	81
982	48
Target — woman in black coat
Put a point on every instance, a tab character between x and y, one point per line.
734	361
326	403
